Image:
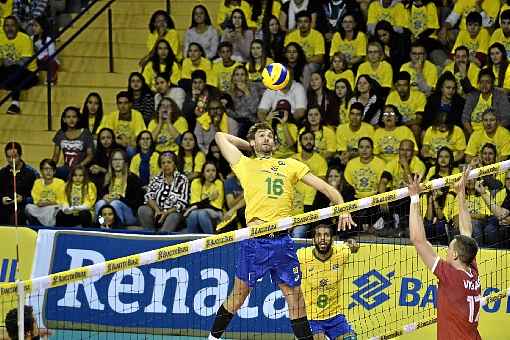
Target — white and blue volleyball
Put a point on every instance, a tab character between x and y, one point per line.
275	76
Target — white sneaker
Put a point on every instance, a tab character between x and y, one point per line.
379	224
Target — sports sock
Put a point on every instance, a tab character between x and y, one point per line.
301	328
223	317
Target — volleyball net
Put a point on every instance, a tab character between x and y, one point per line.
93	285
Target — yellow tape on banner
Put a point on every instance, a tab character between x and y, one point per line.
116	265
178	250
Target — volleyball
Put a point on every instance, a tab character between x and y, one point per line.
275	76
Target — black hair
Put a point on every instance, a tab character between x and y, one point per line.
244	23
486	72
199	74
208	162
303	14
116	219
98	117
505	15
202	51
256	10
225	44
11	322
462	48
168	62
124	94
13	145
300	62
145	88
474	18
355	27
47	161
368	139
181	152
79	123
139	137
503	65
398	115
358	106
403	75
100	149
207	19
169	22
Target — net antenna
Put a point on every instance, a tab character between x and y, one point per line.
19	284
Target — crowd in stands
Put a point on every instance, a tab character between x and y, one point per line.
379	90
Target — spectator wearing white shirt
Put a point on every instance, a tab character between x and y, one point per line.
294	93
164	89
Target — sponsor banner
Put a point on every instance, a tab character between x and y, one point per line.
9	264
385	287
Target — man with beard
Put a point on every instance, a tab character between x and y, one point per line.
322	266
304	194
268	191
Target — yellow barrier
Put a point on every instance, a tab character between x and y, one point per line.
174	251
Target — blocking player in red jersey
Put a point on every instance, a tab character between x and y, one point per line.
458	301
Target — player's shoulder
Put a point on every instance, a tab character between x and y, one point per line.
305	254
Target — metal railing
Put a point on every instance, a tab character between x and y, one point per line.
105	7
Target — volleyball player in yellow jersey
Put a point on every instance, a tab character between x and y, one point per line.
268	191
323	271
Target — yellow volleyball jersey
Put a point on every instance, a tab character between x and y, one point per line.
321	281
268	185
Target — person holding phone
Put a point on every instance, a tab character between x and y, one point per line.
285	132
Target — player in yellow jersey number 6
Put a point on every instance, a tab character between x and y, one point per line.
268	191
323	267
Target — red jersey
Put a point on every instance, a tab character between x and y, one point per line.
458	301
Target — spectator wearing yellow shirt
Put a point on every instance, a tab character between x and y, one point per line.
304	195
423	19
349	41
257	60
349	134
201	32
190	159
388	137
319	95
238	33
489	156
409	102
388	10
15	50
161	60
162	27
206	201
375	66
343	94
498	63
196	61
262	11
126	122
224	67
311	41
477	102
444	164
423	72
475	38
325	139
465	72
226	9
502	34
48	194
443	133
285	132
5	9
212	121
492	133
144	163
485	225
338	70
167	126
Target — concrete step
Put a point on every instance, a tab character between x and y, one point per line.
73	95
99	64
27	136
101	49
99	80
100	35
31	122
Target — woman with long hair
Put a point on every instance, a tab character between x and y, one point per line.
349	41
47	59
319	95
189	158
121	189
80	199
167	126
263	10
498	63
343	95
207	199
444	164
141	95
443	134
257	60
196	60
144	163
107	218
325	137
367	92
295	60
92	112
162	27
273	38
72	140
222	165
105	144
396	46
166	198
444	99
338	70
202	32
239	35
161	60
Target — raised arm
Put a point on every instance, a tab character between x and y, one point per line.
230	146
416	229
345	222
465	224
